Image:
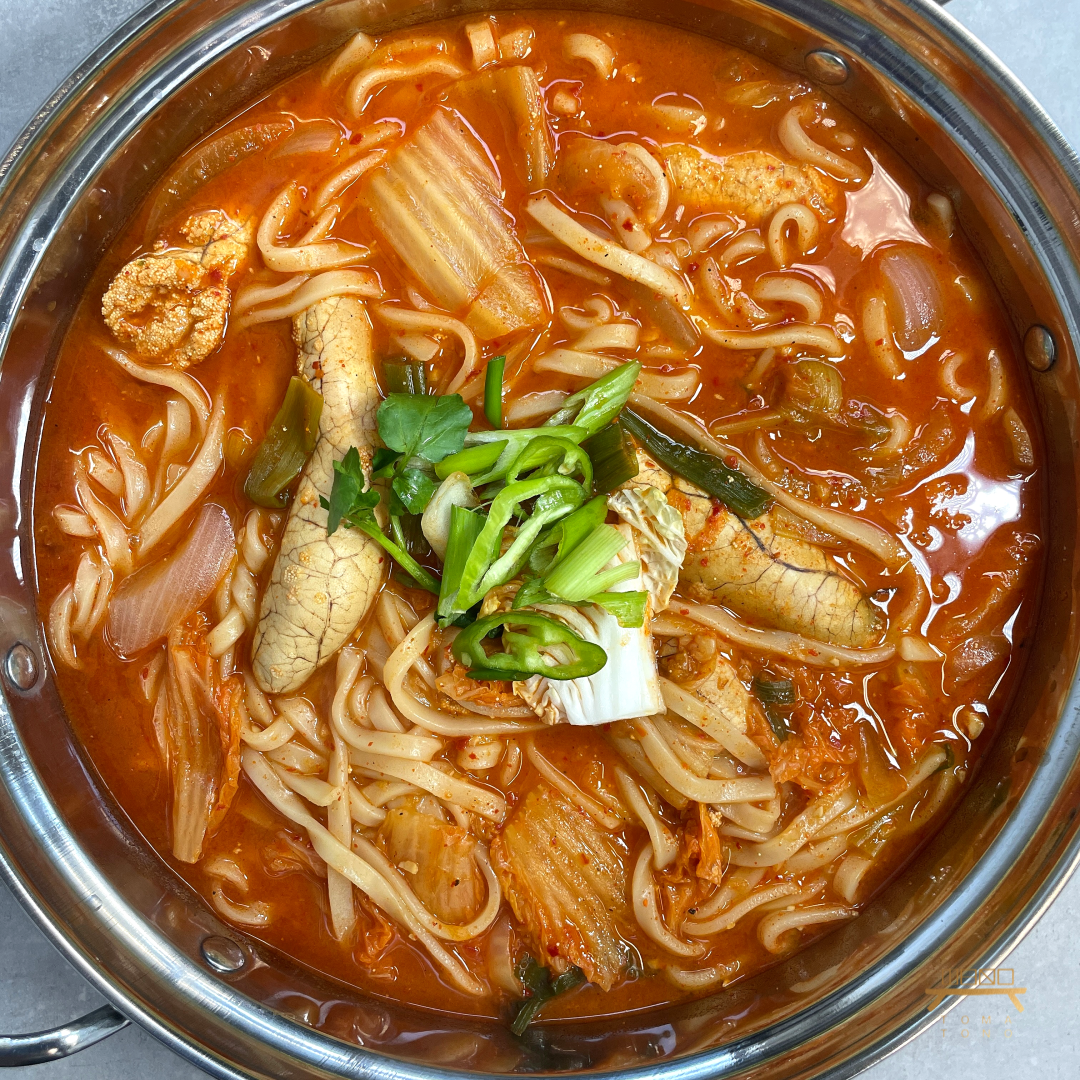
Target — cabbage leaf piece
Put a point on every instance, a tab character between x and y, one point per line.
660	537
438	859
566	880
625	688
437	200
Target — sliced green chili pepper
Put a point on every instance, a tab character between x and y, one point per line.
286	446
540	650
556	496
513	440
710	474
551	454
493	386
627	607
473	459
598	404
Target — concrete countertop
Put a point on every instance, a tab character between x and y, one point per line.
40	43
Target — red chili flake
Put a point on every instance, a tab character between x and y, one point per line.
215	275
601	134
692	268
473	756
419	86
704	562
553	950
716	380
356	138
628	226
731	461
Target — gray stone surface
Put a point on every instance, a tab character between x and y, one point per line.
39	43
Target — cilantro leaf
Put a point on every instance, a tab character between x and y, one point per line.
414	488
423	426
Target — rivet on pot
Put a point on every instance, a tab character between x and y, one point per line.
222	954
1040	349
21	666
827	67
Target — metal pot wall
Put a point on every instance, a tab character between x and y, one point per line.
238	1009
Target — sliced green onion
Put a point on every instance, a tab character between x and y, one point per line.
613	458
286	446
598	404
513	440
465	527
493	387
473	459
485	568
710	474
555	544
627	607
403	377
581	574
532	591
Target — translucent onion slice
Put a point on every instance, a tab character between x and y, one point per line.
913	296
163	594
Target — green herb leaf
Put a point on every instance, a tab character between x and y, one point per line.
425	427
414	488
542	988
383	462
347	497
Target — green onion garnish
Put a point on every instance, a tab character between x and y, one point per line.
473	459
465	527
581	574
710	474
613	457
285	447
493	386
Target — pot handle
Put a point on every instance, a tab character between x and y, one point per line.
41	1046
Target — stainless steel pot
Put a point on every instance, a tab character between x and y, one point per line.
238	1009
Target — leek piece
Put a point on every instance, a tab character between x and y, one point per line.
465	527
493	387
473	459
286	446
403	377
710	474
613	458
581	574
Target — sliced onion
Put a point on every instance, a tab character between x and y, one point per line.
913	296
157	597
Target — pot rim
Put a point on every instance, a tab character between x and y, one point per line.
41	818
